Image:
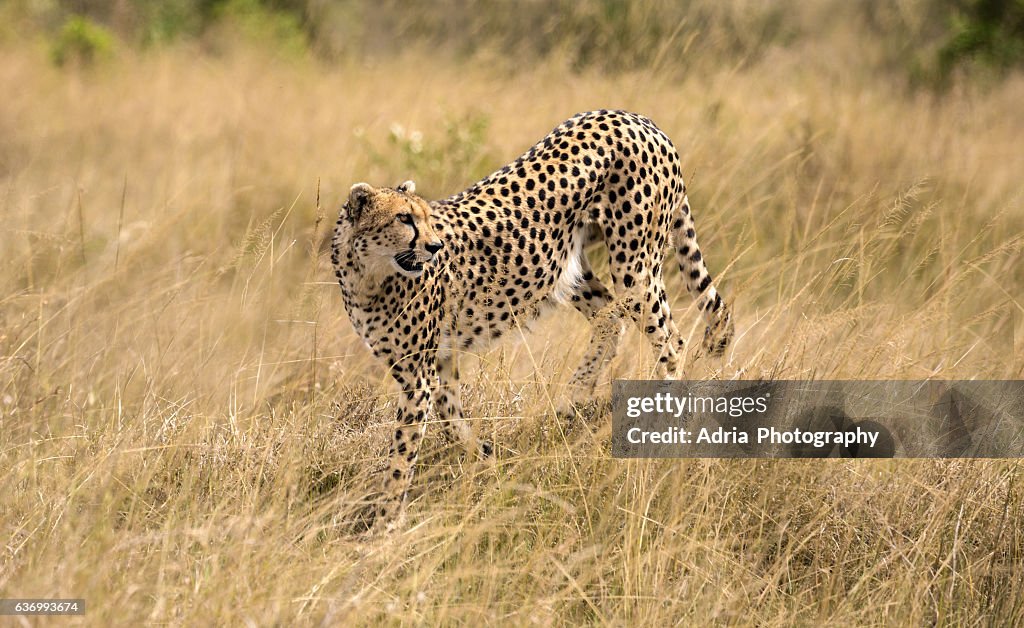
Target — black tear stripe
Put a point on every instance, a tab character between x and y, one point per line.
415	233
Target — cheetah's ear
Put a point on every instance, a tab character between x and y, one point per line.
409	187
357	199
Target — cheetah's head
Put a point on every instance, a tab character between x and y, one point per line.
392	226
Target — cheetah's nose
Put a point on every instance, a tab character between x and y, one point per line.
434	247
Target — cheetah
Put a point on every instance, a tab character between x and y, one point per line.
424	280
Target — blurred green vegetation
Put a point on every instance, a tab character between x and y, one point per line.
81	41
988	32
928	41
157	22
439	159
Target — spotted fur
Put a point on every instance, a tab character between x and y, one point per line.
423	281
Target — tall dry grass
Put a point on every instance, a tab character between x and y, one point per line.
187	421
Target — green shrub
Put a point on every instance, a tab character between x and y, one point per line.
81	41
439	162
989	32
264	24
163	22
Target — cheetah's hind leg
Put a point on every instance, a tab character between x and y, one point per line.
605	314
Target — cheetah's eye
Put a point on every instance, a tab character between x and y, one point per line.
405	219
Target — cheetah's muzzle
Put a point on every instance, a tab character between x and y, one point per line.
406	260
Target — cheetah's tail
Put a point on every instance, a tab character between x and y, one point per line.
719	331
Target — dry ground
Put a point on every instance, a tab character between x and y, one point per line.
187	420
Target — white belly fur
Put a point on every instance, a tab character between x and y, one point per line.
572	274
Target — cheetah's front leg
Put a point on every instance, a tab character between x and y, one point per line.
413	408
449	410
